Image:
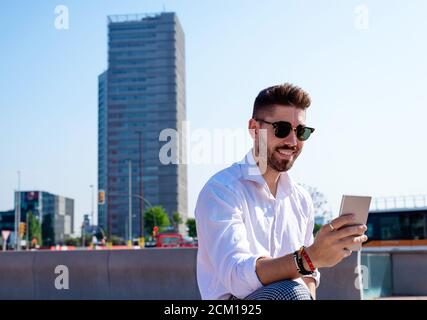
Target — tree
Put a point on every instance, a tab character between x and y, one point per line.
320	203
155	216
117	241
176	220
316	228
34	229
191	224
70	241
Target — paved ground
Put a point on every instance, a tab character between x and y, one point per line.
403	298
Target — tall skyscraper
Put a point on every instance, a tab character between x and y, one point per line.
141	93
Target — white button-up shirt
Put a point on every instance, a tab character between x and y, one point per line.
239	220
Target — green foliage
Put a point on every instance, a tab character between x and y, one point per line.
155	216
191	224
117	241
316	228
34	229
73	241
176	220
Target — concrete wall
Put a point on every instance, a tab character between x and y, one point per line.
409	273
408	269
338	282
117	274
130	274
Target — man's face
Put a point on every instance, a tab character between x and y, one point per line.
281	152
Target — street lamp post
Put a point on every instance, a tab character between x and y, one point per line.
92	213
130	203
149	206
27	231
141	190
83	234
18	214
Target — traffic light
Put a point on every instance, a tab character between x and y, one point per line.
155	230
22	226
101	197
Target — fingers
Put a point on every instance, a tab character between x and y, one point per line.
347	242
347	252
343	220
357	230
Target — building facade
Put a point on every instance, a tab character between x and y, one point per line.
7	220
54	213
141	93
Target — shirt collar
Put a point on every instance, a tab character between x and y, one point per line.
250	169
251	172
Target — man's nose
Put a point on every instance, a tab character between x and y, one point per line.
291	138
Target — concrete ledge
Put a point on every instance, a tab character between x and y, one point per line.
116	274
409	273
150	274
154	274
338	282
16	275
88	274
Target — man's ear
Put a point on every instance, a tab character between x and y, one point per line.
253	128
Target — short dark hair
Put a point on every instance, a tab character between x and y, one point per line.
284	94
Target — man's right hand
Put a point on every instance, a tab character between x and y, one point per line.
329	246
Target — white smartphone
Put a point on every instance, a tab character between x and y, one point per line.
359	206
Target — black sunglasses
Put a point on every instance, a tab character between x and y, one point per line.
283	128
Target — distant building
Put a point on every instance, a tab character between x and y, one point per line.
398	221
7	220
7	223
141	94
55	214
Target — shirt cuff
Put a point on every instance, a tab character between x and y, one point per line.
250	273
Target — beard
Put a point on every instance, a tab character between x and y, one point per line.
280	165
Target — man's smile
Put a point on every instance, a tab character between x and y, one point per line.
285	154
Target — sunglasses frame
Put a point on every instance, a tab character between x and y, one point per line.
277	124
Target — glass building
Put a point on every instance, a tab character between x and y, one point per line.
7	220
398	224
141	93
54	213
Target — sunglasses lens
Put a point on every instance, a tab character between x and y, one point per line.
303	133
283	129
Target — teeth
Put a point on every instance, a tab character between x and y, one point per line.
285	152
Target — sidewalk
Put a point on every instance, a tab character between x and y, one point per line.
403	298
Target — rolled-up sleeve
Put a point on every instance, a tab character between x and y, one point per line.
223	239
309	238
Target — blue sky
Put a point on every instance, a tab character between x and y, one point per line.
367	86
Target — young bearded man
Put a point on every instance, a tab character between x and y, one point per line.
255	224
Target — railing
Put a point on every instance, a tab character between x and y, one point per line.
400	202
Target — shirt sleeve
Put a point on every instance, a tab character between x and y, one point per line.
309	238
222	234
